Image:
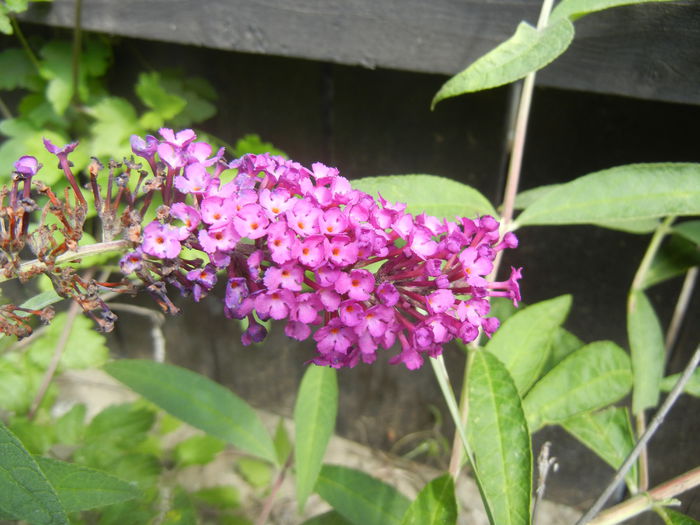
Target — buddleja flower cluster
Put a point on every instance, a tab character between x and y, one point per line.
302	245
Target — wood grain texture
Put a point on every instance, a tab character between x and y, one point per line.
648	51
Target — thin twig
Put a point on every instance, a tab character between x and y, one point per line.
691	278
25	44
544	464
72	313
643	502
157	320
269	501
653	426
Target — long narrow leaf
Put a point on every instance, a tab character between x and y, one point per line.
632	192
198	401
591	378
647	348
314	420
25	493
434	505
575	9
500	440
360	498
523	343
528	50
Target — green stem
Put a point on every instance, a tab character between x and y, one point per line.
83	251
4	110
25	45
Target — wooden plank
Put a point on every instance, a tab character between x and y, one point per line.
648	51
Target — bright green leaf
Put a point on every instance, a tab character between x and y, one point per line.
198	401
256	472
528	50
5	24
25	493
360	498
81	488
36	437
252	143
499	437
222	497
115	122
646	342
575	9
86	348
431	194
198	93
692	387
523	342
152	93
283	443
676	256
17	69
127	422
17	6
19	381
197	450
314	420
609	434
591	378
70	427
632	192
672	517
434	505
690	230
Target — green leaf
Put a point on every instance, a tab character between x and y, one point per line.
575	9
85	348
632	192
360	498
222	497
564	343
499	437
115	122
150	90
17	69
647	350
523	342
528	50
429	194
528	197
676	256
197	450
692	387
609	434
434	505
690	230
283	443
252	143
25	493
70	427
19	382
17	6
256	472
198	93
314	419
327	518
81	488
591	378
198	401
672	517
5	24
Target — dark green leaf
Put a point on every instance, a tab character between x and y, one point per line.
591	378
499	437
198	93
81	488
528	50
647	350
676	256
692	387
574	9
632	192
523	342
198	401
222	497
609	434
151	92
17	69
429	194
434	505
197	450
25	493
314	419
36	437
328	518
672	517
256	472
360	498
690	230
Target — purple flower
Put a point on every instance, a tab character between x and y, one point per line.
62	151
27	165
161	240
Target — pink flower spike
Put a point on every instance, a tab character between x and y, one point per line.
220	239
195	180
333	221
289	277
334	338
251	221
187	214
275	304
312	252
181	139
216	211
475	267
440	301
341	250
358	285
351	313
421	242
